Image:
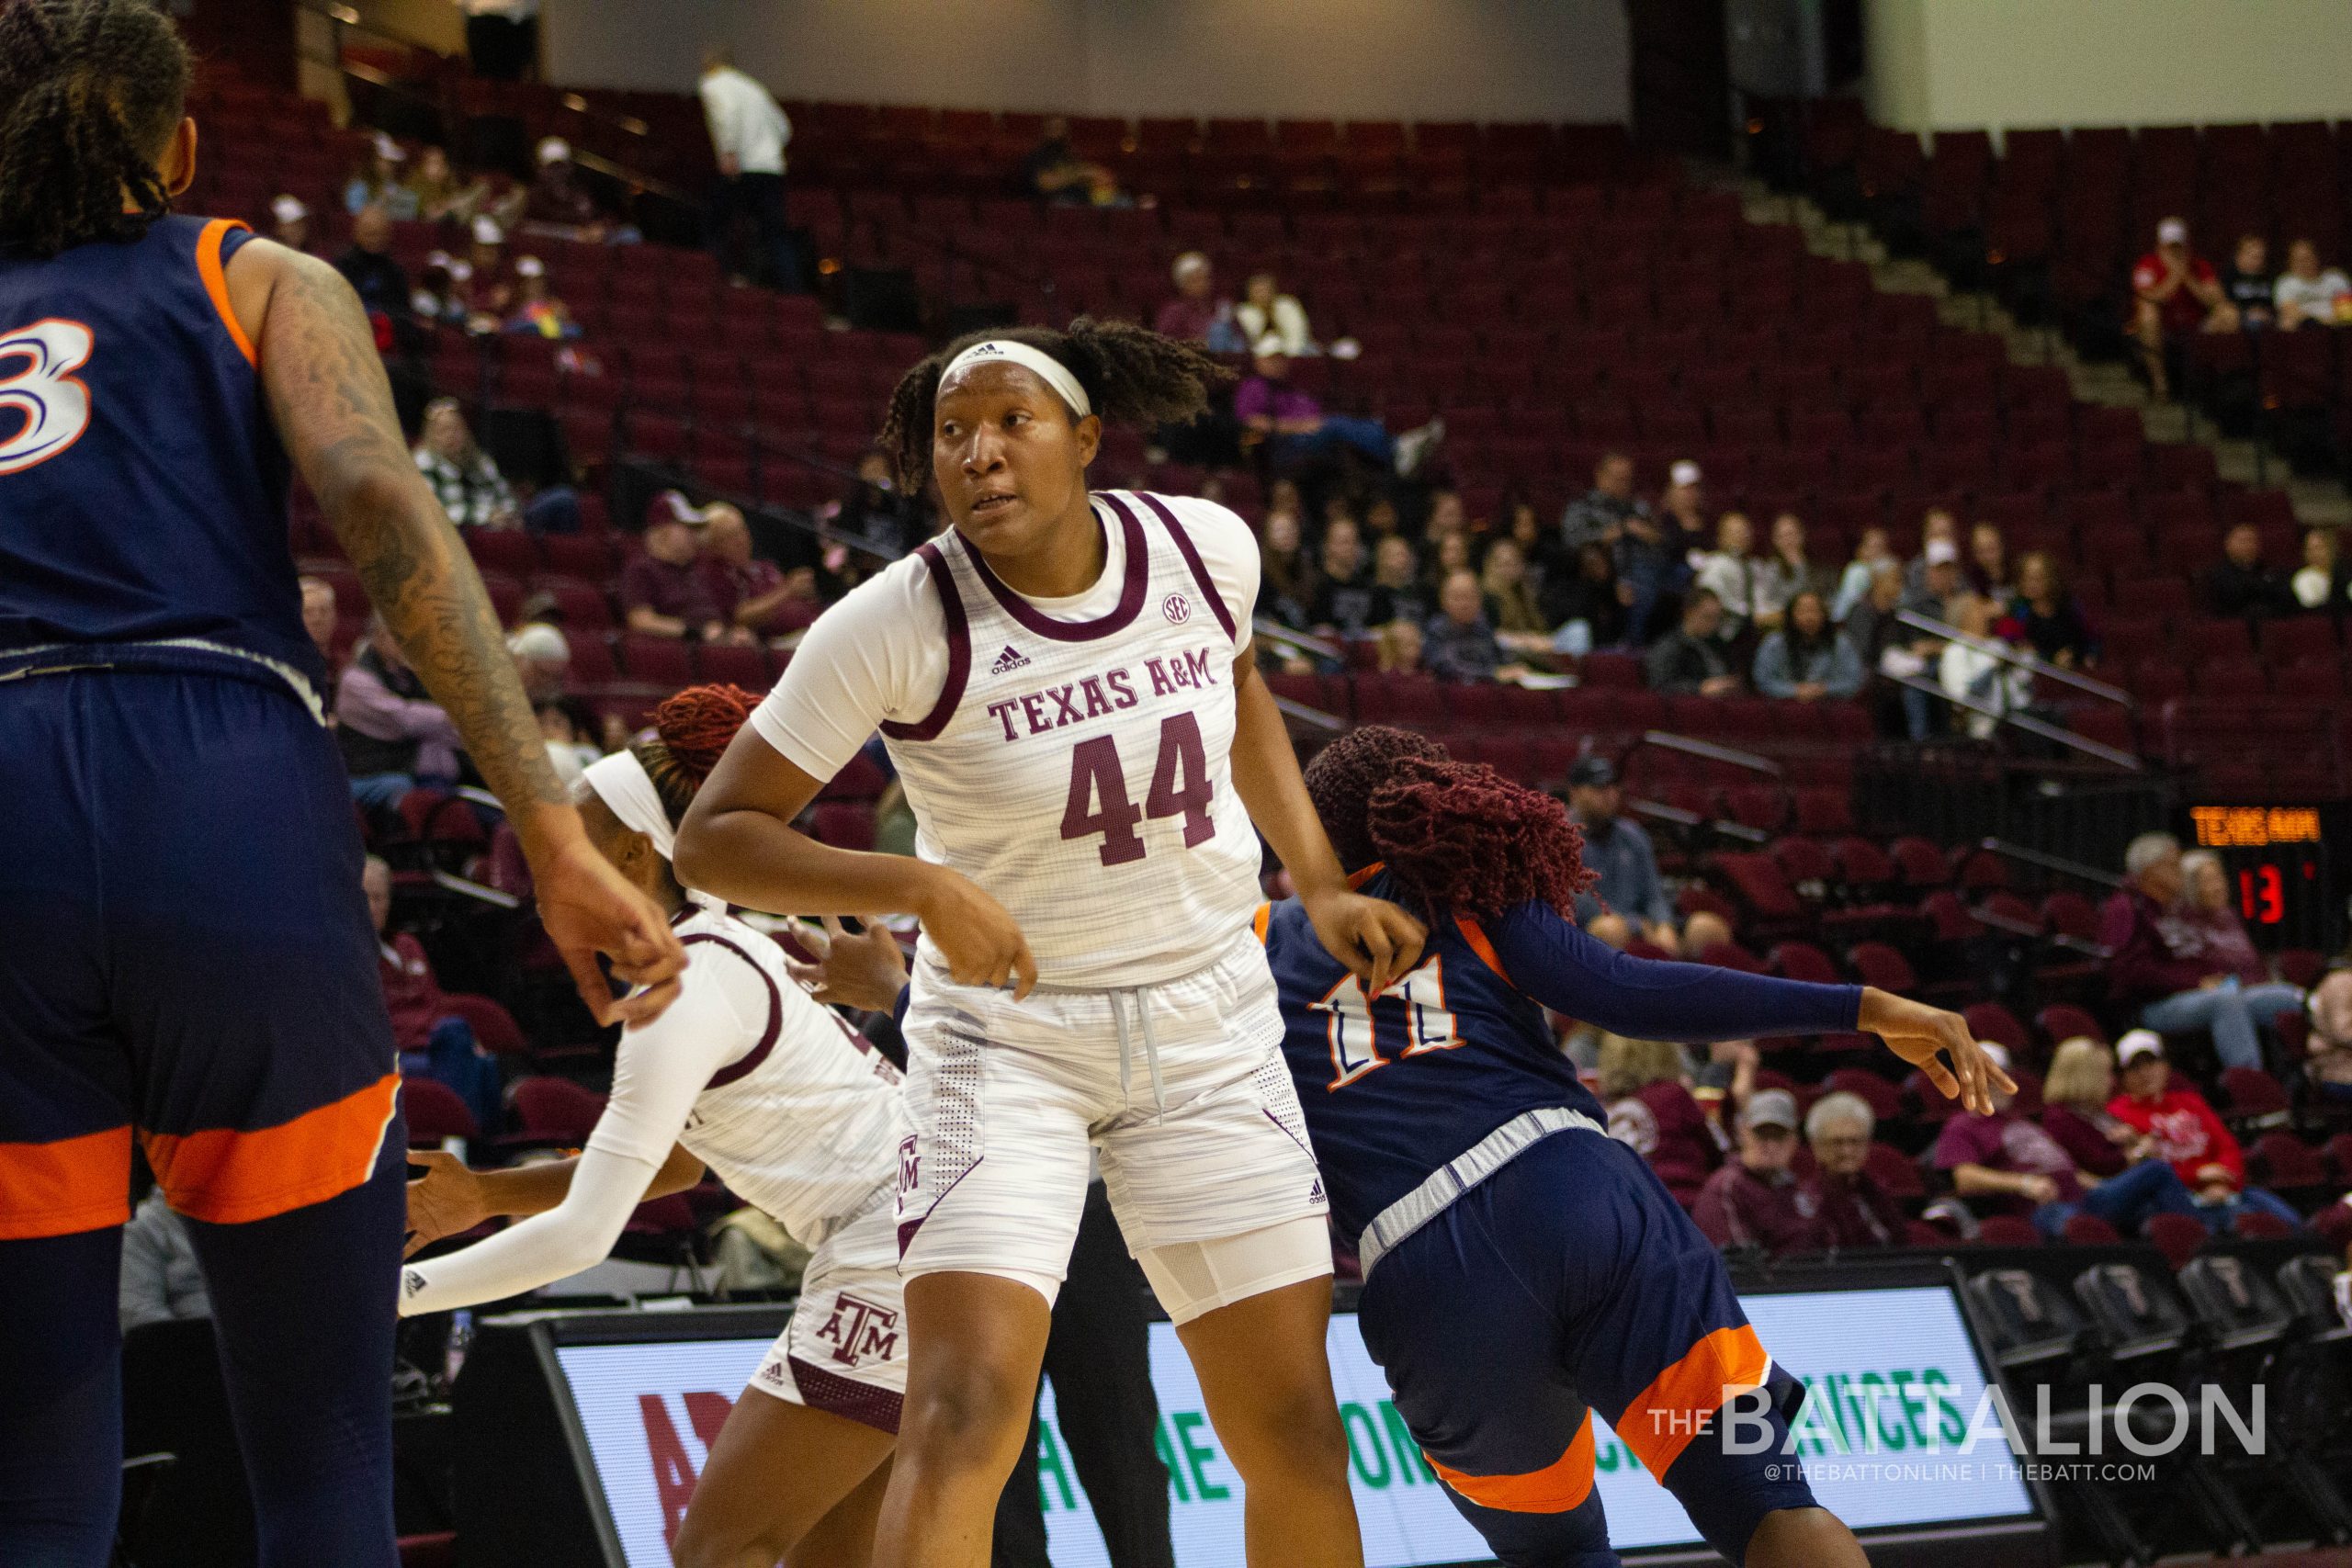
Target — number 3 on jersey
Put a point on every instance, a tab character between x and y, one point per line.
1409	1018
1099	802
37	385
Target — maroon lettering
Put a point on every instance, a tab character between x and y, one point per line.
1002	713
1204	672
1161	684
1094	771
1123	686
673	1472
1065	710
1180	783
1096	703
1033	708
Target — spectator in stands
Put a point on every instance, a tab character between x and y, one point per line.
1628	900
1787	571
1981	683
2327	1067
2174	291
1689	661
538	311
489	285
1286	575
1645	1086
2005	1161
1054	170
543	658
2049	618
752	594
2244	583
1891	652
1843	1206
1938	527
1345	594
441	196
1458	644
1265	310
1600	515
1808	660
1988	563
289	218
320	615
378	182
559	203
439	298
1401	646
161	1281
2074	1110
379	280
1382	520
1729	571
1297	430
1585	604
394	736
1197	314
2206	927
1398	593
2324	582
1751	1202
2248	284
749	131
569	727
1941	584
663	589
1511	609
2160	967
433	1042
1854	583
1654	553
1449	554
466	479
2306	292
2184	1130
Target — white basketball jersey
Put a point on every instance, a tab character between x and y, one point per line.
1081	772
805	1125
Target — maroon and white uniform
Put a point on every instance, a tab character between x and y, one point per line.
1073	758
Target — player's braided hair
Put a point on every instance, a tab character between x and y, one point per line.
690	732
1132	376
89	89
1459	836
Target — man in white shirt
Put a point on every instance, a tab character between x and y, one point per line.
747	132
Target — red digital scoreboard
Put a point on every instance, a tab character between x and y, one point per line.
2279	861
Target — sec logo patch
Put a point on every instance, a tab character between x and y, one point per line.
1177	608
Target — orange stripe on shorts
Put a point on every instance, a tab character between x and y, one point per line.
1662	1420
216	281
1557	1488
231	1177
66	1187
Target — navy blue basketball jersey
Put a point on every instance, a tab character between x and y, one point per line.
1394	1087
143	483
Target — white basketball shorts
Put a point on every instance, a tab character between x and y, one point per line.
845	1349
1178	1086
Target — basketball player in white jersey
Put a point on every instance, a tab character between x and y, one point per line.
1066	684
797	1115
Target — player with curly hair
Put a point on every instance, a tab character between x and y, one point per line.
1066	682
799	1116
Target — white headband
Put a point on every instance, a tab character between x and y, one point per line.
1051	371
621	781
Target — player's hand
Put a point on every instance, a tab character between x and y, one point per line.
854	969
589	908
446	1201
1924	1036
982	944
1379	943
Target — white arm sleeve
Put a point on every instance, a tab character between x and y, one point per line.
881	653
1229	550
661	1070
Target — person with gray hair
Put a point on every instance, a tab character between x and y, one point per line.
2162	969
1842	1205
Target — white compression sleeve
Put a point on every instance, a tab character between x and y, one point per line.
1192	1278
575	1234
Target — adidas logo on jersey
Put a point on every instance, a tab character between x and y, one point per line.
1011	658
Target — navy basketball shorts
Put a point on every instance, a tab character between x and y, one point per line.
186	955
1569	1282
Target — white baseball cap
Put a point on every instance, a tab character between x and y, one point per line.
1685	472
2172	231
554	150
488	232
389	149
1268	346
1943	552
1771	1108
531	266
288	209
671	506
2139	1042
539	640
1995	1053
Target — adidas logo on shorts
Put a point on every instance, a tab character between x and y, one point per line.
1011	658
773	1372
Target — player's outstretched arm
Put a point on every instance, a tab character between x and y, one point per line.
1924	1036
1378	942
332	407
451	1198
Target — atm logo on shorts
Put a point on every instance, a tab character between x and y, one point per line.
909	1164
860	1331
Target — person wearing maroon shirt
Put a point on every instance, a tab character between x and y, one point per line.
433	1043
2073	1109
2162	966
753	595
1841	1205
2175	290
2183	1131
1652	1111
1752	1201
663	591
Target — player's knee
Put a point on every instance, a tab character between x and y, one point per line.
1292	1430
703	1548
966	1415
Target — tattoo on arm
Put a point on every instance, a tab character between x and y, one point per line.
333	406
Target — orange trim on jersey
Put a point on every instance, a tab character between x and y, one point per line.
1476	935
231	1177
1661	1421
216	281
1261	920
1557	1488
65	1187
1358	878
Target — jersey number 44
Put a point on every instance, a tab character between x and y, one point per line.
1100	802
